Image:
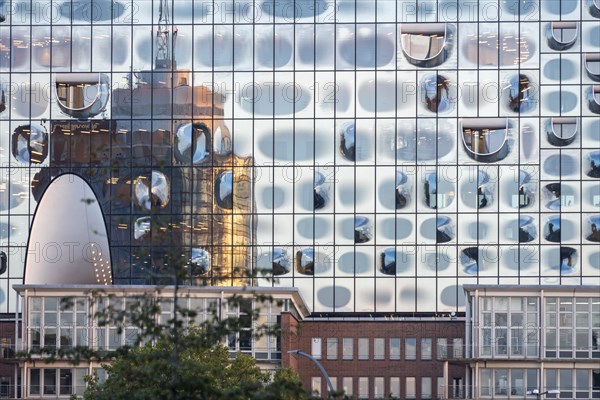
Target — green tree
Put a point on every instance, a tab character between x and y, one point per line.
198	372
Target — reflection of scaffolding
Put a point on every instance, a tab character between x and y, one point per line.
164	51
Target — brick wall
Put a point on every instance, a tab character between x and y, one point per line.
305	331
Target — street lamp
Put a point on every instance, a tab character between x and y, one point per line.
539	394
301	353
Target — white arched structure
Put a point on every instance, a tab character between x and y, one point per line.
68	242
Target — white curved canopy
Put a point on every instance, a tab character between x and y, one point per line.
68	243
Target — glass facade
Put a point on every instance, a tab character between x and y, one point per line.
410	146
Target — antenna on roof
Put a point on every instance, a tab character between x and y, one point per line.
164	50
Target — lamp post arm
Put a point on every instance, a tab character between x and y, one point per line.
301	353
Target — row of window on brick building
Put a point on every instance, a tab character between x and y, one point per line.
444	348
367	387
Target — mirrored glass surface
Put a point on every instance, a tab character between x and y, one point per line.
224	190
348	141
403	190
30	144
562	35
192	143
552	229
486	139
438	193
363	229
387	261
593	164
425	44
562	131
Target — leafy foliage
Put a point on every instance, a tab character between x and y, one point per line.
195	371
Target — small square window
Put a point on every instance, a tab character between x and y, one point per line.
348	348
379	348
316	347
411	349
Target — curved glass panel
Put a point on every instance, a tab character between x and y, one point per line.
518	94
593	228
2	99
469	260
551	193
562	131
592	65
402	190
438	193
562	35
427	143
445	230
320	191
438	93
481	194
82	95
552	229
486	139
594	99
363	229
348	141
281	261
200	262
527	229
387	261
595	8
425	44
30	144
152	193
593	164
222	141
305	261
141	227
483	48
568	260
192	143
526	190
224	190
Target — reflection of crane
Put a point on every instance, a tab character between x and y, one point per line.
164	51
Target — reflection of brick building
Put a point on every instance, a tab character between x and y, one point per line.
373	358
121	158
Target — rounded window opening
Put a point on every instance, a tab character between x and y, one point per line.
305	261
562	131
30	144
320	191
527	229
552	229
592	65
402	190
438	93
562	35
82	95
142	228
518	95
593	229
192	143
363	229
280	261
152	193
593	164
199	262
568	260
348	141
387	261
469	260
224	190
438	194
445	229
594	99
486	139
425	44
